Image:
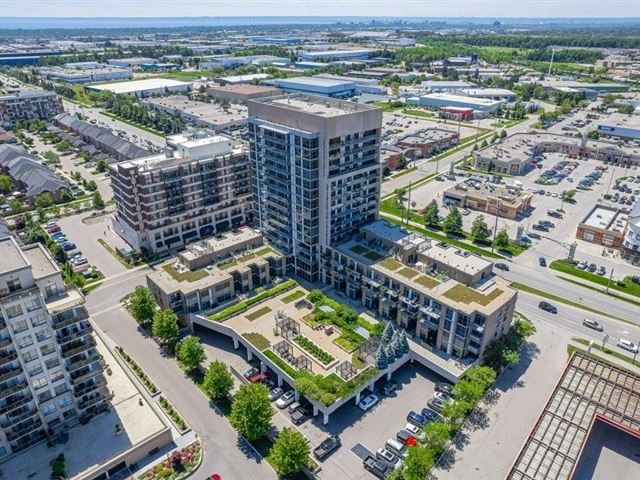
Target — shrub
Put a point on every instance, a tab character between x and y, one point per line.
308	345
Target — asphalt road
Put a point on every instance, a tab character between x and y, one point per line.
225	452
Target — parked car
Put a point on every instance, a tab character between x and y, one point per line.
301	415
628	345
547	307
405	438
415	430
399	448
592	267
587	322
547	223
54	229
389	458
275	393
442	396
430	414
582	265
389	387
542	262
416	419
286	399
259	377
601	270
436	404
534	235
375	466
367	402
68	246
81	260
501	266
444	387
539	227
327	446
466	211
250	373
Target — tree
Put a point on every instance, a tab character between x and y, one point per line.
568	196
468	391
102	166
431	214
453	221
437	435
479	230
290	452
482	375
503	133
418	463
381	358
34	234
190	352
315	296
98	202
15	206
502	238
66	196
59	254
51	156
44	200
251	411
92	186
217	382
20	222
142	304
401	196
5	183
165	326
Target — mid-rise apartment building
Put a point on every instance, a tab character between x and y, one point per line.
447	299
50	372
315	166
198	187
28	105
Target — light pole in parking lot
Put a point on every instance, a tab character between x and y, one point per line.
609	282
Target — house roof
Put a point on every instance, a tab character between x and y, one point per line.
27	169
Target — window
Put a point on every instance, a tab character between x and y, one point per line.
64	402
33	303
39	383
14	311
30	356
14	285
60	389
38	320
25	341
35	370
48	409
47	349
56	376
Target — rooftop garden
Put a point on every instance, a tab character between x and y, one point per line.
257	340
245	304
366	253
463	294
391	264
188	276
258	313
426	281
292	297
408	272
232	262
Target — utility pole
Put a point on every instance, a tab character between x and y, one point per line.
495	229
409	204
609	282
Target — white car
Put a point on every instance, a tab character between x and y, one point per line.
367	402
441	396
286	399
275	393
628	345
415	431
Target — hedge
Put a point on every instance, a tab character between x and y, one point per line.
175	416
241	306
322	355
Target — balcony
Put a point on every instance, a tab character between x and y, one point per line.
98	382
69	318
79	376
431	313
83	331
61	303
9	373
16	402
75	348
84	404
80	362
10	357
473	349
23	430
11	390
11	421
5	342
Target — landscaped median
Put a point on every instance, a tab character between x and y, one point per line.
135	368
179	464
245	304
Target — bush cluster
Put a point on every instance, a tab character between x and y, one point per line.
241	306
175	416
308	345
138	371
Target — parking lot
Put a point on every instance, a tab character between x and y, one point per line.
360	432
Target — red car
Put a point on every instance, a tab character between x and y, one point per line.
259	377
215	476
53	229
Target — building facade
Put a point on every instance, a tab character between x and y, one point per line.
631	241
50	372
199	187
316	173
28	105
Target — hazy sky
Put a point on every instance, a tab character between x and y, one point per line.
417	8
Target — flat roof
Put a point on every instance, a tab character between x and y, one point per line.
473	92
213	114
321	106
243	88
140	85
604	217
314	81
42	264
461	98
220	243
507	195
588	388
12	256
243	78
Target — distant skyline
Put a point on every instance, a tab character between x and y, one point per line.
326	8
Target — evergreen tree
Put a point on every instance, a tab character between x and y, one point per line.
479	230
453	221
431	214
388	332
390	353
381	358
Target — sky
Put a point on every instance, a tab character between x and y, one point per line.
406	8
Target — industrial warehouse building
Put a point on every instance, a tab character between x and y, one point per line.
481	106
326	87
144	88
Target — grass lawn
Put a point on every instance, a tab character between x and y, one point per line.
408	272
349	341
419	113
257	340
373	256
427	282
625	285
386	106
464	294
292	297
310	319
188	276
391	264
556	298
258	313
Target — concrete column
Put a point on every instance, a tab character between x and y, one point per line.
452	332
325	418
249	355
263	367
388	376
315	410
280	381
370	387
297	397
236	344
357	398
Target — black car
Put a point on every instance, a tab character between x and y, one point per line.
534	235
444	387
542	262
251	372
375	466
501	266
547	307
542	228
327	446
300	416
